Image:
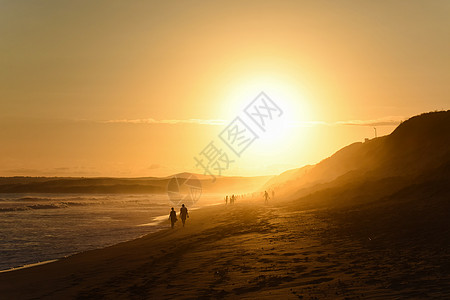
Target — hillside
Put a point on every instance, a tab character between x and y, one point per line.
393	192
417	146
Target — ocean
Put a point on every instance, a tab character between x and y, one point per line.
41	227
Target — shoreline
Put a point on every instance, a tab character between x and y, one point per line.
156	221
82	262
247	250
152	224
30	265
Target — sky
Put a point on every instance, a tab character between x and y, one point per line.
141	88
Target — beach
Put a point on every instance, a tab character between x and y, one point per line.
243	251
41	227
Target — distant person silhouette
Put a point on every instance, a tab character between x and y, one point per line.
266	197
183	213
173	217
226	200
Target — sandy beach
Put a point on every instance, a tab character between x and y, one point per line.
244	251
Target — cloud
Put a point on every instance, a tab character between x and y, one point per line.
384	121
154	166
61	169
22	172
308	123
180	121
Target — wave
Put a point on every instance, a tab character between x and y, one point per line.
75	203
46	206
58	205
10	209
27	199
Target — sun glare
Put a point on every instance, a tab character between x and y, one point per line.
279	135
283	92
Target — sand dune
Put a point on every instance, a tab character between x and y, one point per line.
416	147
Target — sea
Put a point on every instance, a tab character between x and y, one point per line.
36	228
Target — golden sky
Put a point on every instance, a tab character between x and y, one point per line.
138	88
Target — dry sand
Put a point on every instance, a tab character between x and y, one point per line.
243	251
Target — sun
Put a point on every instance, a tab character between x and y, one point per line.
280	137
283	91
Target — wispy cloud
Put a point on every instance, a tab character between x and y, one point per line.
384	121
181	121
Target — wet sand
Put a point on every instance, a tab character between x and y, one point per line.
245	251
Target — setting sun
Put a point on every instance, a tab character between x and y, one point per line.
277	137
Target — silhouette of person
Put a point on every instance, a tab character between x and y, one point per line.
226	200
173	217
273	194
266	197
183	213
